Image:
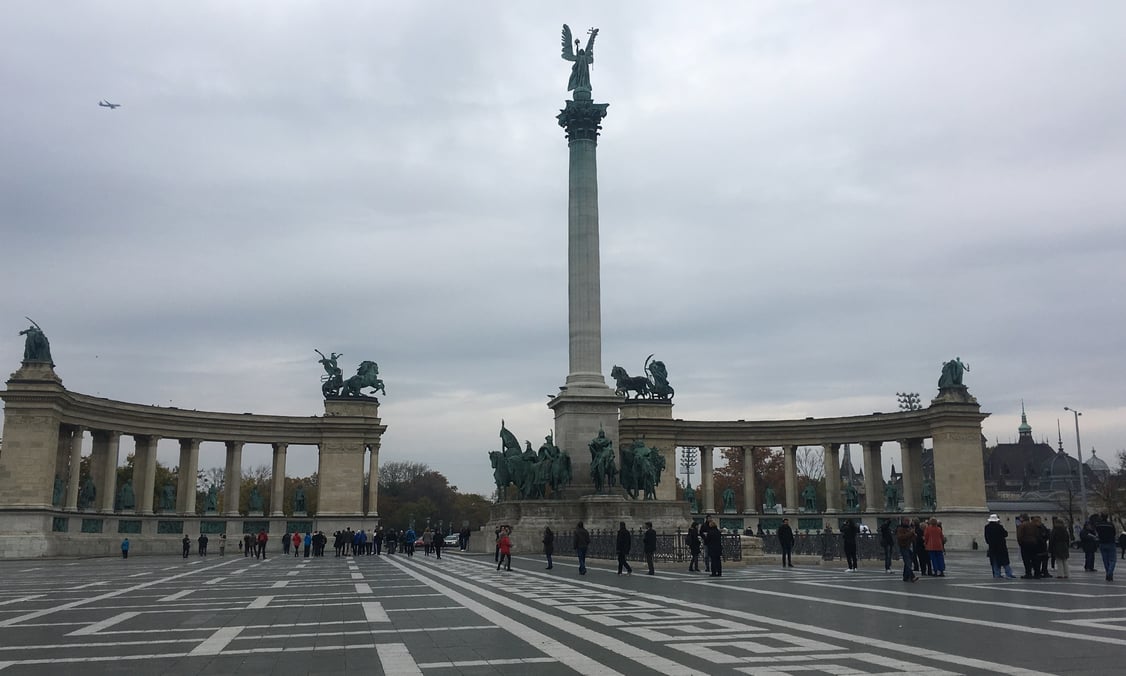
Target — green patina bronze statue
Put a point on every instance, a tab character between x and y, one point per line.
167	497
531	472
212	502
769	498
929	502
36	347
581	59
728	500
126	498
952	374
603	468
299	499
852	499
254	502
333	379
690	498
641	470
333	383
87	494
809	494
57	492
653	385
891	496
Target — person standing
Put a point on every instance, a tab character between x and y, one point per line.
203	544
496	553
247	544
786	541
714	544
1089	541
887	542
997	548
285	544
581	543
1105	532
187	543
1027	535
693	539
125	548
408	541
1043	553
427	541
649	546
1122	544
296	544
624	544
377	540
905	538
263	538
921	548
849	533
548	545
935	542
437	545
1059	546
222	544
505	546
308	544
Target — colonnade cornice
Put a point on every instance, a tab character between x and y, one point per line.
877	427
96	413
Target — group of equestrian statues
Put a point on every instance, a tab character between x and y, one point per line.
539	475
334	384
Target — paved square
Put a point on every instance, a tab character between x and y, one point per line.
399	615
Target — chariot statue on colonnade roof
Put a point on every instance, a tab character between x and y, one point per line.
653	385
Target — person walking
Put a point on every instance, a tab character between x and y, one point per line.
427	541
624	543
849	533
714	543
437	544
1122	544
222	544
786	541
887	542
935	542
1059	546
693	541
187	546
704	539
505	545
905	539
649	546
997	548
1105	532
548	545
125	548
581	542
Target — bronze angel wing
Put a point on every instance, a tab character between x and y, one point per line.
568	50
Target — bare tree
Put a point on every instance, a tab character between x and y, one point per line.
811	463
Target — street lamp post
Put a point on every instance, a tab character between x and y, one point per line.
688	462
1079	449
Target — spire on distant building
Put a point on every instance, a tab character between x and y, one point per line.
1025	429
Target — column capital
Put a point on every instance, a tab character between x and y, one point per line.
582	119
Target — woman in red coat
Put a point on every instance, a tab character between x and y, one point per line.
505	546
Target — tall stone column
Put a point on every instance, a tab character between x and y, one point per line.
873	475
832	463
62	461
75	474
750	501
912	461
373	480
232	478
144	472
790	465
277	481
707	481
107	445
585	404
186	481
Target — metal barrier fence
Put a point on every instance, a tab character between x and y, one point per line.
828	547
670	546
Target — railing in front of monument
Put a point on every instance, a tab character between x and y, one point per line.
670	546
827	546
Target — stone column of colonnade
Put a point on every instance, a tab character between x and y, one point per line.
144	472
373	480
186	481
103	467
912	462
62	459
790	463
71	502
277	480
750	501
707	481
873	475
832	463
232	478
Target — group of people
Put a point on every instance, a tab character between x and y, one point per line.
314	543
709	537
922	547
1041	547
250	543
202	542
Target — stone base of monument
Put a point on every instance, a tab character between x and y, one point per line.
300	515
597	512
257	513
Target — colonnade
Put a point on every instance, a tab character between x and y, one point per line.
912	450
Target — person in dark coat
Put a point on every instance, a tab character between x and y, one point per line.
1089	542
693	540
1105	533
581	542
625	542
786	541
714	542
922	557
849	533
438	543
1122	544
1043	535
997	548
887	542
1059	546
905	539
649	545
548	545
187	546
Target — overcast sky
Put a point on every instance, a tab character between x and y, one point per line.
805	208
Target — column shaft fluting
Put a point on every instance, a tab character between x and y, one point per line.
189	470
912	461
74	475
109	443
832	464
790	464
873	476
373	480
277	481
750	500
232	478
707	481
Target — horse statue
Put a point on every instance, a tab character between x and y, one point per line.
366	376
651	475
624	383
560	473
500	473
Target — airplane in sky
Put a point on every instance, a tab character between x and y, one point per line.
107	104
